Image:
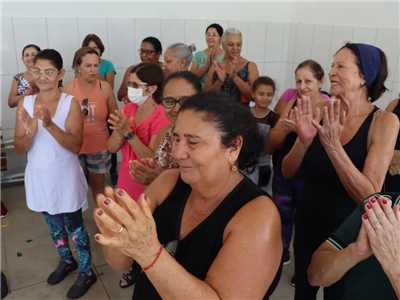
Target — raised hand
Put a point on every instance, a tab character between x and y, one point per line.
144	170
302	115
330	131
382	224
29	124
119	122
220	71
43	113
133	232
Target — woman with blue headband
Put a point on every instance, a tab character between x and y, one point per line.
343	150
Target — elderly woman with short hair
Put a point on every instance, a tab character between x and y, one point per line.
235	74
178	57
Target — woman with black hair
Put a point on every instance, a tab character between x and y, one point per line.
345	157
49	130
203	60
212	227
140	125
22	84
149	52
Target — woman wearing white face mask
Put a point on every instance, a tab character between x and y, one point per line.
140	126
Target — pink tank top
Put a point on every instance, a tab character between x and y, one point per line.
95	132
291	94
148	128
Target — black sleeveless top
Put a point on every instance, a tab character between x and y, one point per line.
392	182
198	249
326	203
396	111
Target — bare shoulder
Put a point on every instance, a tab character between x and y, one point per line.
162	186
106	87
260	216
384	120
68	87
392	105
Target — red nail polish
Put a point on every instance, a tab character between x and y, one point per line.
97	237
384	201
99	212
107	201
369	206
365	216
373	200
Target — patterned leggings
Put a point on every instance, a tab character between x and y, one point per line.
62	225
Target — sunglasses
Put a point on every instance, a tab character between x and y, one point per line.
85	106
171	102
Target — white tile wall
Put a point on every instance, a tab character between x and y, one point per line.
67	28
29	31
123	51
145	28
277	48
8	53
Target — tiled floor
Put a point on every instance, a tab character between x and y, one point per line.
28	256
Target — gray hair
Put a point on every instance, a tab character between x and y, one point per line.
231	31
183	51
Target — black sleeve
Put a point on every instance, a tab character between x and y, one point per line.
348	231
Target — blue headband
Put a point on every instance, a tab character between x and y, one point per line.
370	61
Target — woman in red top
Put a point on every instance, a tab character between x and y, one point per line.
97	101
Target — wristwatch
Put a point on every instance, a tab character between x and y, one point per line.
130	135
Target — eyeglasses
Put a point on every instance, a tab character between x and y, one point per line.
36	72
146	51
136	85
170	102
85	106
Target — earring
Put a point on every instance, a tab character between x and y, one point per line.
234	168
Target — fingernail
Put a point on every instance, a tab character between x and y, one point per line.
384	201
97	237
369	206
107	201
99	212
120	192
373	200
365	216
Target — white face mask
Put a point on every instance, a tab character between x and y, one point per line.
136	95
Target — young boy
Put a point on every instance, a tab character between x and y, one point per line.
263	91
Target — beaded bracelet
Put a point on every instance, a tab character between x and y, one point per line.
154	260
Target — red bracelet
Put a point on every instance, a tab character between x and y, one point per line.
154	260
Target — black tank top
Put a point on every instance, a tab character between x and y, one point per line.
326	201
396	111
198	249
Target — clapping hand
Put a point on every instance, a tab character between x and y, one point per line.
127	225
144	170
382	224
29	124
220	71
119	122
304	119
43	113
330	131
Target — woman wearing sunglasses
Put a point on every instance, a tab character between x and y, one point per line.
149	52
97	101
177	87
